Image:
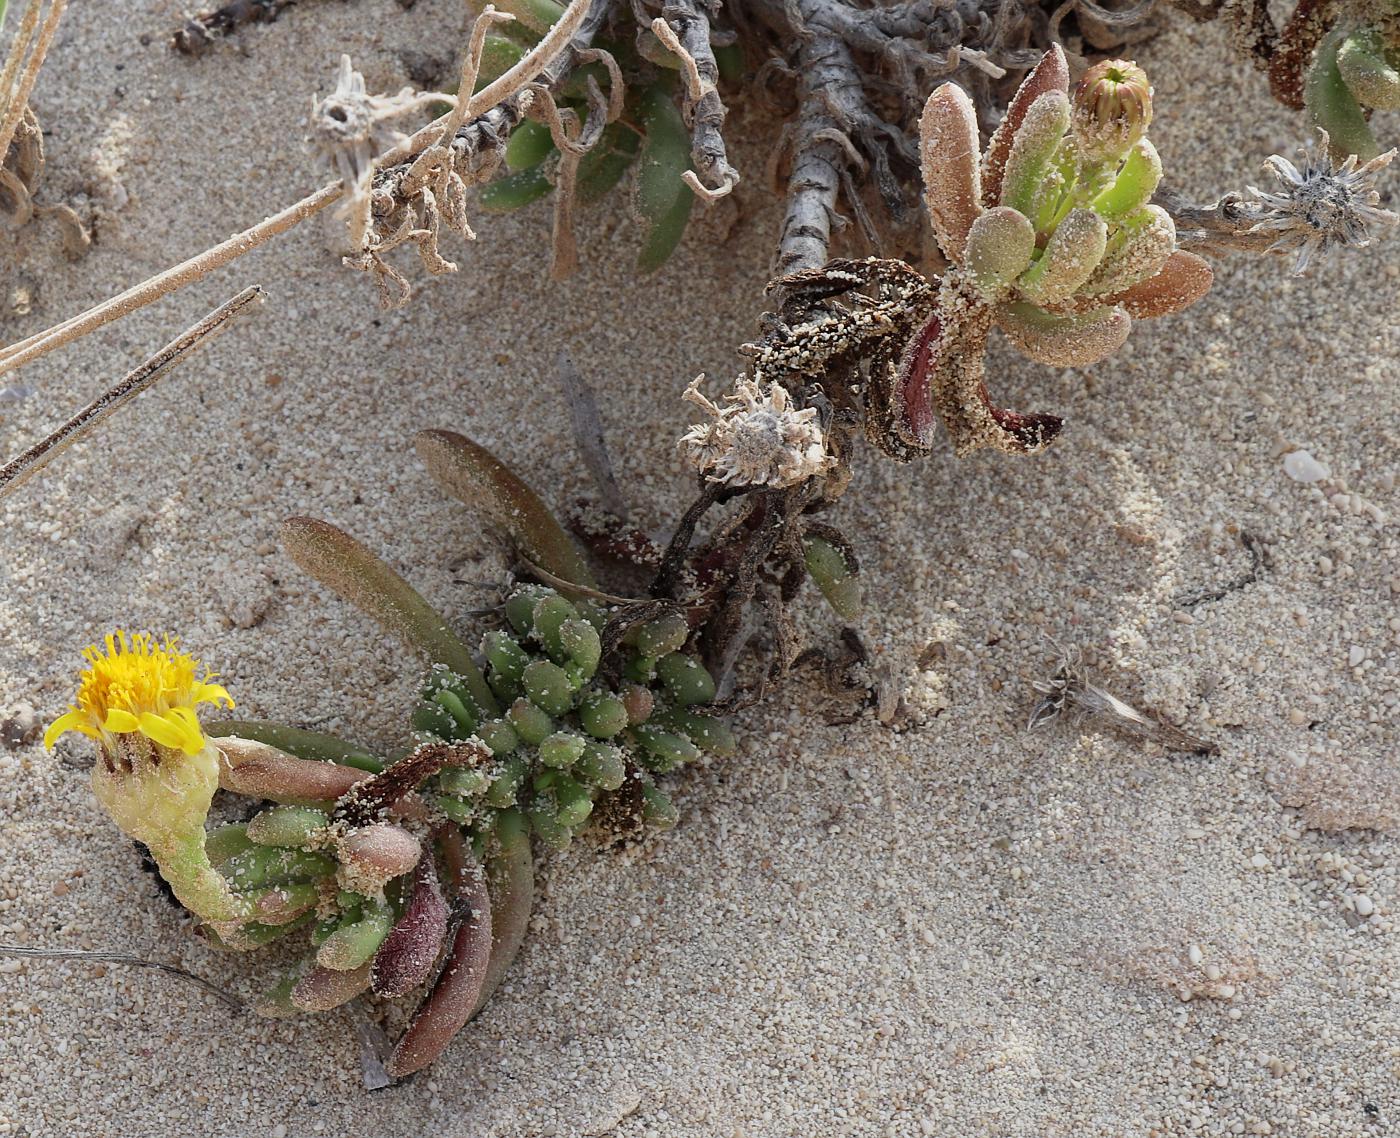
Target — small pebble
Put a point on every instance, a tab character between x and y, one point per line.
1259	861
1300	466
1364	905
1355	655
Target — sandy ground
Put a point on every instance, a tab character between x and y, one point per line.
958	931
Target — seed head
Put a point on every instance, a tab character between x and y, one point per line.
1319	206
758	439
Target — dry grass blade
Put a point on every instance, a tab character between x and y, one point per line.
15	473
20	74
218	993
519	76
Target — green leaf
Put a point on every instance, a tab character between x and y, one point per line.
515	191
477	478
352	572
530	144
663	200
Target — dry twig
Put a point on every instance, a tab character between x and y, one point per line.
15	473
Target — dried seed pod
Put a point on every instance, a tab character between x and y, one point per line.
405	959
1069	259
948	150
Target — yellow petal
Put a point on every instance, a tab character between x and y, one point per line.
120	722
163	731
211	693
189	722
71	721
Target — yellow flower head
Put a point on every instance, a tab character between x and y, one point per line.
136	686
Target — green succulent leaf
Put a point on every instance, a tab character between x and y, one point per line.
515	191
530	144
1333	106
663	200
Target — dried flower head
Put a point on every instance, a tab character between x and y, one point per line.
351	128
1112	108
1319	206
758	439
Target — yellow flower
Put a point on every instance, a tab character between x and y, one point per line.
139	687
156	774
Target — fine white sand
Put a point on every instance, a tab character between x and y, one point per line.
957	931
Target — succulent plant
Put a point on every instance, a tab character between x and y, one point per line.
1050	235
1354	70
405	867
649	140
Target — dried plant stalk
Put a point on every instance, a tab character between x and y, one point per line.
15	473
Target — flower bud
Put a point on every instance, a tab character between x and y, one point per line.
1112	108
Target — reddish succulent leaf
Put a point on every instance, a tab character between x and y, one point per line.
913	414
1184	279
324	988
260	771
457	993
948	152
407	956
1050	74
